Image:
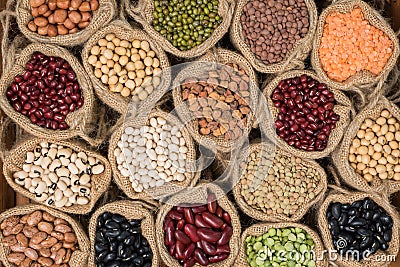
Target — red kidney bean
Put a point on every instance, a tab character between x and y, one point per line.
175	215
199	209
212	220
226	235
170	234
226	217
189	216
212	203
305	108
200	257
223	249
189	262
189	251
218	258
182	237
191	231
44	83
180	250
181	224
208	248
208	235
172	249
219	212
200	222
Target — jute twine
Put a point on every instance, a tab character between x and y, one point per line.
123	30
362	79
262	228
195	196
107	10
80	121
168	188
343	196
15	159
142	12
294	58
131	210
268	150
341	154
78	258
343	108
209	62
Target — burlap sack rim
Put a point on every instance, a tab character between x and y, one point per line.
143	13
222	56
123	30
131	210
77	120
223	201
341	154
342	108
302	210
363	77
299	52
102	16
261	228
100	182
350	198
123	182
78	257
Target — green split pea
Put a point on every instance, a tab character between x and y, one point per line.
284	247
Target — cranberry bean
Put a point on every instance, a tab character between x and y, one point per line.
208	235
191	231
212	220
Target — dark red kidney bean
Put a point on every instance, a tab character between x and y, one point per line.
199	209
182	237
226	236
212	203
191	231
175	215
170	233
189	216
189	262
212	220
208	235
189	251
172	249
179	250
219	212
218	258
223	249
200	222
180	224
208	248
200	257
227	218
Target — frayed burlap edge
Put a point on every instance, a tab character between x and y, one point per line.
216	56
78	257
363	78
199	195
351	197
131	210
16	158
150	195
302	210
107	10
125	31
341	154
262	228
142	12
294	58
343	108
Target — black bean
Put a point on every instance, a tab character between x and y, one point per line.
364	232
366	242
357	204
358	222
387	235
343	219
336	210
384	246
386	219
114	264
110	224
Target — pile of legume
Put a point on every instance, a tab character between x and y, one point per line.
279	185
374	152
281	247
186	24
350	44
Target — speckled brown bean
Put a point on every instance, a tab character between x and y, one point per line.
22	239
31	253
12	221
48	217
17	229
62	30
58	235
60	254
45	252
38	237
49	242
29	231
16	258
45	227
26	263
45	261
62	228
9	240
35	218
70	237
41	21
56	247
42	30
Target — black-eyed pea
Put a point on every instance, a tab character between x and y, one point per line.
108	53
148	61
104	78
156	63
373	171
371	150
156	81
139	65
120	50
364	142
383	175
385	113
115	58
122	72
102	42
396	176
149	70
368	177
103	59
151	54
123	79
95	50
381	121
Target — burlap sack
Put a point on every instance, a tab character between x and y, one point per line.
142	12
125	31
350	197
195	196
131	210
341	154
262	228
78	257
343	108
269	150
151	195
363	78
209	62
16	158
81	121
103	15
294	59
